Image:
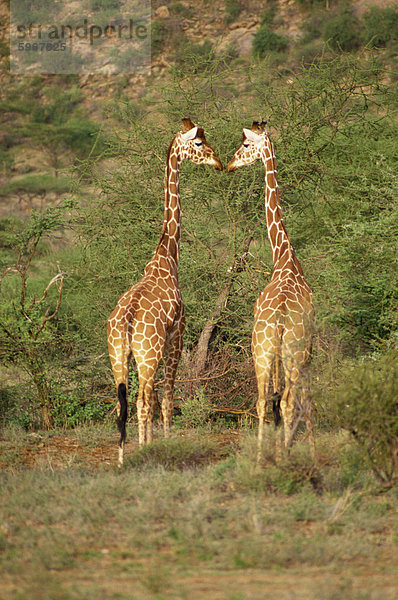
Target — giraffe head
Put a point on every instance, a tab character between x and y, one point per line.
251	147
191	144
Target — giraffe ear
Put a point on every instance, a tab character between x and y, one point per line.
186	121
252	136
190	134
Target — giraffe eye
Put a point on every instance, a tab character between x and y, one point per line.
246	145
198	143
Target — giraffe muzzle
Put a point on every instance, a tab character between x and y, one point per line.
231	166
217	164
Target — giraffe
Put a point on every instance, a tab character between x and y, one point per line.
148	320
283	312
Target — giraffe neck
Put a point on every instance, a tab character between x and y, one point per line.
281	247
170	238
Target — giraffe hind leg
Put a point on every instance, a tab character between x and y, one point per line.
172	356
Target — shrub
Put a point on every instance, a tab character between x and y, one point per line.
380	26
266	41
104	4
342	32
159	33
367	405
310	4
195	411
233	8
178	8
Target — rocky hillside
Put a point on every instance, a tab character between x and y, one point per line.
48	121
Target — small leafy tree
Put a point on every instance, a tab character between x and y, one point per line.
381	26
25	317
266	41
367	405
342	31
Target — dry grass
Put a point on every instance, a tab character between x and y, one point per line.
193	518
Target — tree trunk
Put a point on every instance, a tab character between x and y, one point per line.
37	370
200	353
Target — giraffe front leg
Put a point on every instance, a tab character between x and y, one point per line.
263	370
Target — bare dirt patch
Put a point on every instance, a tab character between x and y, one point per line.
64	449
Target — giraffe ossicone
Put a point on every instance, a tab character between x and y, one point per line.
148	321
283	312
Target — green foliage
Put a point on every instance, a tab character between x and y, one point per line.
291	474
311	4
159	33
268	16
35	185
342	31
334	138
266	41
55	122
233	8
104	4
75	407
380	26
366	403
193	56
26	315
195	411
178	8
312	26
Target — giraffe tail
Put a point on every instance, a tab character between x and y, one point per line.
276	408
122	418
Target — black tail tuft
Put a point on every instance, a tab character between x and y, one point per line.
276	408
122	418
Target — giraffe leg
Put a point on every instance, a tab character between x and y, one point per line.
289	404
172	358
263	371
143	407
149	421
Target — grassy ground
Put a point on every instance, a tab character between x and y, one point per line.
192	517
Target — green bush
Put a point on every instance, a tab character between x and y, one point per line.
342	31
310	4
233	8
75	407
366	404
178	8
159	33
104	4
380	26
195	411
266	41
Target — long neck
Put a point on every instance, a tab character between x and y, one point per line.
170	238
277	234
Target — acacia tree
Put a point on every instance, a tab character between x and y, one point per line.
323	121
